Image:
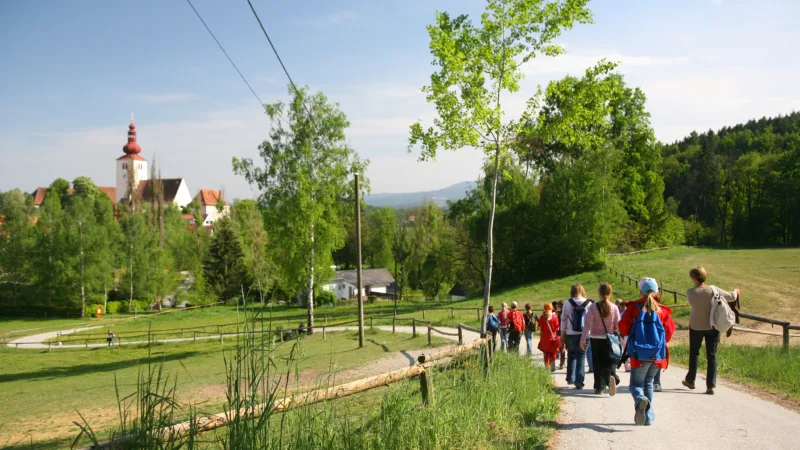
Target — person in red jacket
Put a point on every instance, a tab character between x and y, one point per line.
644	372
516	325
549	339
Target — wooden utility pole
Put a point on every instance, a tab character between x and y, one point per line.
358	269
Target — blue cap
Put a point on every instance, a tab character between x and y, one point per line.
648	284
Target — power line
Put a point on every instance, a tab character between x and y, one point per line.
274	50
260	103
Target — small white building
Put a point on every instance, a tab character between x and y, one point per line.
344	284
175	191
208	200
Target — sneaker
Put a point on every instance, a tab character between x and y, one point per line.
612	386
561	367
579	386
569	383
590	371
658	388
552	368
687	384
710	391
598	392
641	411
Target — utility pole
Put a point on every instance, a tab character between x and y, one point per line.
358	269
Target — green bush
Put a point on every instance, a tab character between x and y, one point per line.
325	298
116	307
371	299
137	305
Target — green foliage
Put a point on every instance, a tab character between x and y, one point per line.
326	298
224	268
378	236
116	307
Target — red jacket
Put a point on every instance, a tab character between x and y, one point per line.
515	321
629	316
545	334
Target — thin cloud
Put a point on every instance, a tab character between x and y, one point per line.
575	64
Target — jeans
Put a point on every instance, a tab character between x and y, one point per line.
642	386
605	367
513	341
589	359
695	341
576	359
503	338
529	341
657	379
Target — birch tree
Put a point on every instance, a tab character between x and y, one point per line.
304	183
477	64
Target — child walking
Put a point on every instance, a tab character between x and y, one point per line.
549	341
602	319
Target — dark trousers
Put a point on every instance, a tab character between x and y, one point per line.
695	342
605	367
513	341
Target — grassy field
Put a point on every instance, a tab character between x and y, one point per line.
43	390
768	278
772	368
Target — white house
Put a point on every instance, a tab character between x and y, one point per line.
208	200
175	191
344	284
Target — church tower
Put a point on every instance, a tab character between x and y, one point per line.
132	163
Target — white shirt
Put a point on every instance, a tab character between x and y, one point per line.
566	316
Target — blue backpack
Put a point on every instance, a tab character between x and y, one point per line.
492	323
579	313
647	340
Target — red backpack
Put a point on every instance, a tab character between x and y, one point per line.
516	321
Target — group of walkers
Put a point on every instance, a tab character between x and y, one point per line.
612	334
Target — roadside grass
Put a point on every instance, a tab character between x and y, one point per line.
768	278
773	368
41	390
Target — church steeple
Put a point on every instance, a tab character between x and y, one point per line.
130	163
132	148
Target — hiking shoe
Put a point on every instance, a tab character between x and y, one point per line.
710	391
570	382
658	388
598	392
641	411
612	387
687	384
561	367
552	368
579	386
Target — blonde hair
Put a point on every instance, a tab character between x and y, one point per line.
577	291
651	304
504	307
699	274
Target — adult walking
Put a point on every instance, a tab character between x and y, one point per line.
649	327
503	316
572	319
530	326
601	327
549	342
516	325
701	297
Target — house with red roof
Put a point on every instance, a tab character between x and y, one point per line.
212	205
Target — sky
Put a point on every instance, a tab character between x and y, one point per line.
72	72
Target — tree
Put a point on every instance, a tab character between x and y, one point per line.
381	225
250	228
49	247
15	243
401	250
477	65
305	185
224	268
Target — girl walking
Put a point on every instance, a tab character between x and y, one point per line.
549	339
649	327
530	326
602	320
503	316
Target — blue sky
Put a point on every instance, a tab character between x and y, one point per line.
73	71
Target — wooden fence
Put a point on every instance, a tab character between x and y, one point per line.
421	369
783	324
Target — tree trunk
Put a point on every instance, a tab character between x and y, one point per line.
105	299
83	301
490	243
130	274
311	289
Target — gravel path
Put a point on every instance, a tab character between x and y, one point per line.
684	419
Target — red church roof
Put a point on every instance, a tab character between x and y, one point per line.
132	148
207	197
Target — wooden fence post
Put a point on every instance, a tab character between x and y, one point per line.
195	336
423	312
371	319
478	310
452	313
413	328
786	335
48	346
394	319
426	387
429	333
16	347
485	356
675	297
460	335
87	343
323	334
490	346
221	341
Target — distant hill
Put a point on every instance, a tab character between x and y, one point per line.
407	200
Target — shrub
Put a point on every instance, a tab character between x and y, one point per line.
325	298
372	299
116	307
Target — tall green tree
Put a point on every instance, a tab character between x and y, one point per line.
249	225
477	65
305	182
50	249
15	244
224	268
381	226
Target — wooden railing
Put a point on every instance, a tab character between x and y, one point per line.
421	369
784	324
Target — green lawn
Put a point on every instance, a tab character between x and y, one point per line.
773	368
42	390
768	278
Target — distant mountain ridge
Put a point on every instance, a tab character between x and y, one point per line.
411	199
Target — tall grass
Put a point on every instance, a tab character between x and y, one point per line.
774	368
514	407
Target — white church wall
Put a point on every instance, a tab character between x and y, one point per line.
183	197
